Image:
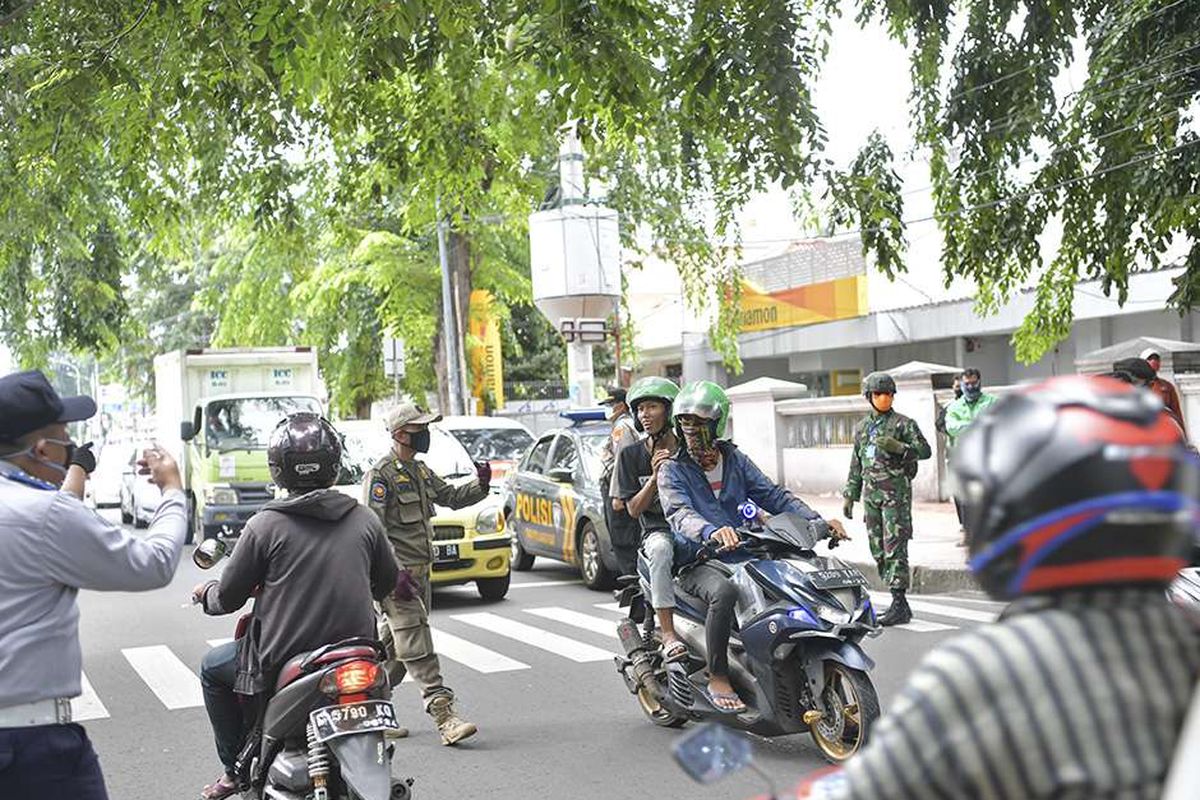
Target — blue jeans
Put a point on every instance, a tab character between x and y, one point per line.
49	762
217	673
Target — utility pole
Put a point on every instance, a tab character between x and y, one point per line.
449	321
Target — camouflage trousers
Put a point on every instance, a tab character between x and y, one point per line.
888	517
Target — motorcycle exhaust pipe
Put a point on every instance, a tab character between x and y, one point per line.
642	670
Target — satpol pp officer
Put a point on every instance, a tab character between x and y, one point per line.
51	546
402	491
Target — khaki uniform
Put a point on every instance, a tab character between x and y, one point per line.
403	495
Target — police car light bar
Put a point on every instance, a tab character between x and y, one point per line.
581	415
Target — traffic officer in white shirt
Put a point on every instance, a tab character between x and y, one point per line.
51	546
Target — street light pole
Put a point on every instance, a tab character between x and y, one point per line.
449	322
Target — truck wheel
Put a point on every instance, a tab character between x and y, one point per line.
493	588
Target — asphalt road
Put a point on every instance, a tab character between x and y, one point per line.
555	719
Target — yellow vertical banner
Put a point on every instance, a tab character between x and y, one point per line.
487	371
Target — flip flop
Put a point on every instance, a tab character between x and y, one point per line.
219	789
674	652
716	697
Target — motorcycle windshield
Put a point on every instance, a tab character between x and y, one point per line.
790	528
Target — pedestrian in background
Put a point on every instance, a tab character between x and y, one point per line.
887	447
51	546
624	531
959	416
1164	388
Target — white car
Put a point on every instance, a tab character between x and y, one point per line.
103	488
139	497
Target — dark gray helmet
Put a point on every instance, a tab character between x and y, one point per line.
305	453
879	382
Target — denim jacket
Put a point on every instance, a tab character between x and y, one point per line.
694	512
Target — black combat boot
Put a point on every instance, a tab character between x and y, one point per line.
898	612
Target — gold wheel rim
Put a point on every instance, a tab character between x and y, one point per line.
837	687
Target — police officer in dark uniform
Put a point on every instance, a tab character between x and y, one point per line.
402	491
51	546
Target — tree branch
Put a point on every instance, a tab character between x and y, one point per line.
17	12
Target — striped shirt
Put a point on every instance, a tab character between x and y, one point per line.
1080	696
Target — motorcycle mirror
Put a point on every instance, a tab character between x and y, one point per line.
711	752
208	553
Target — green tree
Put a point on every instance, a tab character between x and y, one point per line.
1115	162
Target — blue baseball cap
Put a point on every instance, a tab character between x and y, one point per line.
29	402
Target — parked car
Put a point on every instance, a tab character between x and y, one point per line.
554	504
139	497
470	544
498	440
103	488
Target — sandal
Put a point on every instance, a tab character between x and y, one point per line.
674	651
723	702
222	787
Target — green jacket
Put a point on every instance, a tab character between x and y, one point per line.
875	469
960	414
402	493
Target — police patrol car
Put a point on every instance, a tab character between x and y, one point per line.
554	504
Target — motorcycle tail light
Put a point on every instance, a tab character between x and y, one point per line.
352	680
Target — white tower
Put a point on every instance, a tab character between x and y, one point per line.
575	264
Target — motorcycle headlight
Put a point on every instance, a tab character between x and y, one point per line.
490	520
220	496
832	614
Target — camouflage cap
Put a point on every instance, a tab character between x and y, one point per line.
408	413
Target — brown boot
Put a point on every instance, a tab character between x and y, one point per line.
452	728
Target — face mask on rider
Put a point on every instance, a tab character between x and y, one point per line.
972	391
881	401
697	434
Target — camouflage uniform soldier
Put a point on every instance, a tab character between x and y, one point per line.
402	491
887	446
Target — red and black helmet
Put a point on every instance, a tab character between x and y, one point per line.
1076	482
305	453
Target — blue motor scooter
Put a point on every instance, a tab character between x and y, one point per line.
794	654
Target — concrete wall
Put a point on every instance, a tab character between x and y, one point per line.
812	471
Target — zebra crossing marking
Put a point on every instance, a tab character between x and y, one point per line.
471	655
88	705
576	619
535	637
172	682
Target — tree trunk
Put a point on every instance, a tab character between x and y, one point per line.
458	258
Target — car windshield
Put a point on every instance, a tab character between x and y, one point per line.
445	457
493	444
245	423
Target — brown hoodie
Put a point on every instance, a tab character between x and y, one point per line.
320	559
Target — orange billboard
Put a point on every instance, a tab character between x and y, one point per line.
840	298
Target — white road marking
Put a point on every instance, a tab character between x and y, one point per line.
218	642
469	654
941	609
87	705
575	619
535	637
168	677
613	607
540	584
925	626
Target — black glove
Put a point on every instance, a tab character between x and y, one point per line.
848	508
483	473
84	458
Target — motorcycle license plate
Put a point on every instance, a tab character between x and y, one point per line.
837	578
370	715
445	552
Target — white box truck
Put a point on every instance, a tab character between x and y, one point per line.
216	409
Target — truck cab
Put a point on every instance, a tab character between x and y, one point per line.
226	459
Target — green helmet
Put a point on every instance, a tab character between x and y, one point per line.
651	388
878	382
706	400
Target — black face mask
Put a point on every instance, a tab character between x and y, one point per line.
419	441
